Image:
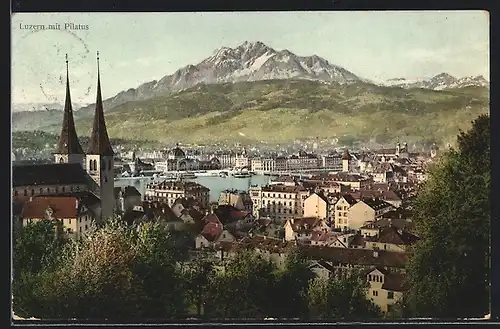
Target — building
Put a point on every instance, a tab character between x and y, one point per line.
316	205
385	287
366	210
341	211
170	191
100	156
239	199
73	215
74	171
302	161
354	181
301	229
279	202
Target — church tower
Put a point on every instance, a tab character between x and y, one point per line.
100	156
346	161
68	149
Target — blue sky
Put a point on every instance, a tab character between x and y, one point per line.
140	47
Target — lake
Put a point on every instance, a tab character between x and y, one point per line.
216	184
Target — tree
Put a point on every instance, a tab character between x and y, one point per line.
117	272
292	284
37	250
341	297
197	276
38	246
448	269
243	290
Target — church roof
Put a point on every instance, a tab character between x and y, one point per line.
68	140
99	140
49	174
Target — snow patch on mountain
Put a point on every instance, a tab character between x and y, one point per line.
439	82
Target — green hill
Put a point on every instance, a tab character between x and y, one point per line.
285	110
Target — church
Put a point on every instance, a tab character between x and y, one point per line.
76	180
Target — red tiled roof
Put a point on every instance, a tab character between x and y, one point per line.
62	207
211	231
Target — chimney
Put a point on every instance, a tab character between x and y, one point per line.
76	203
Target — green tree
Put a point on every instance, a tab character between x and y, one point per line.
244	289
449	267
197	275
292	285
117	272
341	297
37	246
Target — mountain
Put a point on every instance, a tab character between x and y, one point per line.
286	110
439	82
35	107
250	61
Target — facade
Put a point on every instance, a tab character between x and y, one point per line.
316	205
75	218
341	211
170	191
279	202
385	288
367	210
238	199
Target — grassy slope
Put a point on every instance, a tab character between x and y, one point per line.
286	110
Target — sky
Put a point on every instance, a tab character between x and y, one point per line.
140	47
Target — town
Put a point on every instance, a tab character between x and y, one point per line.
346	209
188	173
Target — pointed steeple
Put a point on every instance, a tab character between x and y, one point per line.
99	140
68	141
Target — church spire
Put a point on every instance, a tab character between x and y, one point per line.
68	141
99	140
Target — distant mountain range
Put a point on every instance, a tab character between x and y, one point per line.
34	107
255	61
215	97
439	82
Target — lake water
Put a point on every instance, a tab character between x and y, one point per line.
214	183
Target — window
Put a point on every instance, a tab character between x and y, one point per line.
80	220
385	246
375	293
369	277
86	227
69	221
390	295
80	229
25	192
64	189
57	189
48	190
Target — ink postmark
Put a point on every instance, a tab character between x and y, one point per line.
44	43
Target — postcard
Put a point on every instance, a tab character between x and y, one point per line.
236	166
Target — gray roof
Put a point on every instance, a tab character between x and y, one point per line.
49	174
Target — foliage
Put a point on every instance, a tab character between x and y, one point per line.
341	297
37	246
291	286
449	266
242	290
116	272
196	275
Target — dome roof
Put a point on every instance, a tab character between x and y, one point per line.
177	152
